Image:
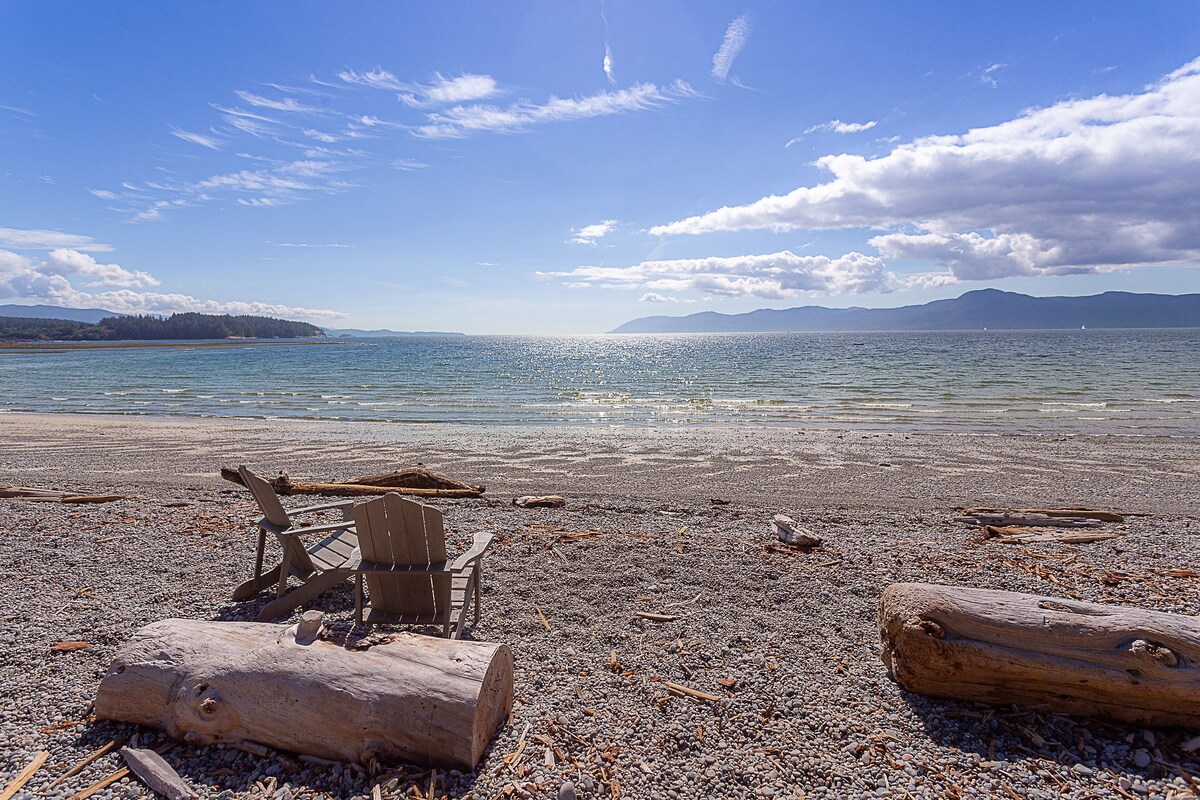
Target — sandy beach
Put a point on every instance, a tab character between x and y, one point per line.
811	711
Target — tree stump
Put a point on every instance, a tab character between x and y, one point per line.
1081	658
416	699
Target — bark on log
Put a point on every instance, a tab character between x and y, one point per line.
416	699
1082	658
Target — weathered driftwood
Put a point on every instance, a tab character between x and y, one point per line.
1023	535
1082	658
285	486
787	531
540	501
416	699
54	495
1081	513
416	477
24	776
155	772
1013	518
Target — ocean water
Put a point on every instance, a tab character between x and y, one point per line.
1102	381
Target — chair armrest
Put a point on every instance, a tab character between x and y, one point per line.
482	542
342	504
437	568
330	526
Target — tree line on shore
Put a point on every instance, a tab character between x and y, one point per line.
177	326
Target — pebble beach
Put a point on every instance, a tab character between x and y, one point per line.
786	640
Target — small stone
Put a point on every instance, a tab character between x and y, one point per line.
1083	769
1141	758
567	791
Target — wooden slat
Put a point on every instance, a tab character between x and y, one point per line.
417	591
266	498
435	533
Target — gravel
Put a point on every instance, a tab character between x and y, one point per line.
787	640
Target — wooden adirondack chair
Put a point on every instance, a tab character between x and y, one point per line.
403	547
321	565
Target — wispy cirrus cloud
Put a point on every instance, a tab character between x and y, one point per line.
588	234
989	75
462	121
731	45
1083	185
770	276
308	141
37	239
50	280
211	142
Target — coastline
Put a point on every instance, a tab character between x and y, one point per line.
809	712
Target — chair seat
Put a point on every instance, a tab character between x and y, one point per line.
458	598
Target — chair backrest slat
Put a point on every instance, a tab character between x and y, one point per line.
395	531
276	514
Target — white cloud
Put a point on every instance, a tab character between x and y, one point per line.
771	276
731	45
197	138
72	262
290	104
49	281
302	244
378	78
463	120
409	164
1082	185
989	75
462	89
608	64
34	239
837	126
588	234
655	297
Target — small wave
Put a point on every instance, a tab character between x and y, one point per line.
1077	405
172	391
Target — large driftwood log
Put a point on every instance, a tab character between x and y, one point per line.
417	481
416	699
1081	658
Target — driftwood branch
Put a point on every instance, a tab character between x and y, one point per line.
156	773
54	495
284	485
1081	658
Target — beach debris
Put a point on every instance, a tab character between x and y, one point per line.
1080	513
55	496
155	772
540	501
416	480
1008	518
788	532
686	691
69	647
1024	535
655	617
717	501
88	759
1076	657
237	671
24	776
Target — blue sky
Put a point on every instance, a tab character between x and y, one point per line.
563	167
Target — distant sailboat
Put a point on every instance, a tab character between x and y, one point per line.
1083	327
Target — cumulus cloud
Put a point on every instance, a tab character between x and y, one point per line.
464	120
1080	186
588	234
49	281
770	276
655	297
731	46
35	239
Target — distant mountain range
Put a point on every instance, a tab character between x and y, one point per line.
984	308
92	315
381	332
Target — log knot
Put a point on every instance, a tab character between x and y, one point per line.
931	628
1157	652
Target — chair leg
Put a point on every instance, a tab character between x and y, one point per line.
257	583
358	599
283	576
478	589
